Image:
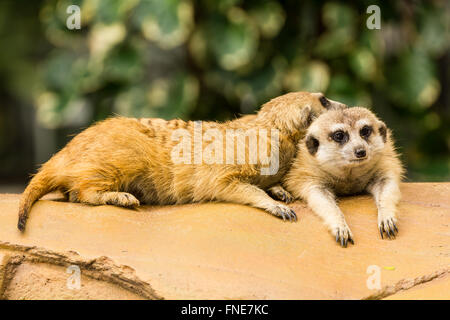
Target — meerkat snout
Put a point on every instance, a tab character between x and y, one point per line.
360	152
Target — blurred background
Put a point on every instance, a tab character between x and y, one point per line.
215	60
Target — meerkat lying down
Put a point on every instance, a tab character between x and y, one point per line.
347	152
126	161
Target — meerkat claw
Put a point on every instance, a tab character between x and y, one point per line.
121	199
340	239
391	232
279	193
392	228
294	215
343	237
288	198
389	227
284	212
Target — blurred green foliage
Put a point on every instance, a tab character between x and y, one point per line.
211	59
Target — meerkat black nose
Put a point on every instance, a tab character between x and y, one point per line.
360	153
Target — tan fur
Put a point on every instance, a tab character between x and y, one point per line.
247	118
125	162
317	175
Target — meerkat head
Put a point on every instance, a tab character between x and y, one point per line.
296	110
346	138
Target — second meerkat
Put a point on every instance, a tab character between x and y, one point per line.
126	161
347	152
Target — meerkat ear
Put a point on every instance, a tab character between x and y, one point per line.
297	118
325	102
382	130
307	116
312	144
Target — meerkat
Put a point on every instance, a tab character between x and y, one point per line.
347	152
127	162
246	118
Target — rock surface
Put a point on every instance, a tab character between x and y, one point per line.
224	251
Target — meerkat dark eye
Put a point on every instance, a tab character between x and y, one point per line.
365	131
312	144
339	136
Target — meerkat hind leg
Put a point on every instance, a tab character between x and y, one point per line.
245	193
95	197
279	193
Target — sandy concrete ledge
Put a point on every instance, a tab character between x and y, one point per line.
224	251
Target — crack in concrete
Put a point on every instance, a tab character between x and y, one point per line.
424	204
406	284
101	268
8	268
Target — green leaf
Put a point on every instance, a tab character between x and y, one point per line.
412	80
269	17
313	76
363	64
434	35
168	23
112	11
233	41
124	63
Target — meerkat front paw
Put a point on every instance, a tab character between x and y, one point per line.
279	193
283	211
343	235
122	199
388	225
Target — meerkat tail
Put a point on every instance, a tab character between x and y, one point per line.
38	187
